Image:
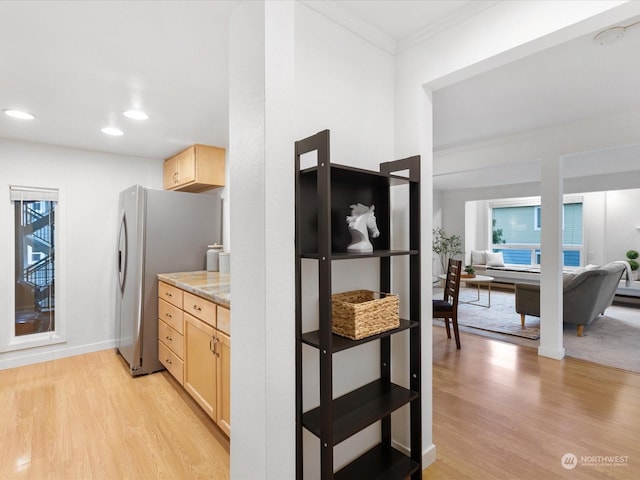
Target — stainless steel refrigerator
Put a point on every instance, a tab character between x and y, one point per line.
161	231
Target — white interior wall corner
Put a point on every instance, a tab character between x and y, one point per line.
280	388
262	235
247	216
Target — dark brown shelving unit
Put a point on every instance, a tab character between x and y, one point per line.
339	343
322	194
350	256
360	408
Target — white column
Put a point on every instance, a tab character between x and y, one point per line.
261	87
423	96
551	260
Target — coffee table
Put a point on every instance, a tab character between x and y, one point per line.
478	280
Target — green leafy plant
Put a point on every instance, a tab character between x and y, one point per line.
469	270
631	258
446	246
497	234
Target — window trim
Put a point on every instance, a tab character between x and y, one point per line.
532	202
537	215
9	341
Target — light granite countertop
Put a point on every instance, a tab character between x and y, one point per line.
213	286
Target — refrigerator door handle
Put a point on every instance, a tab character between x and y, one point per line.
122	251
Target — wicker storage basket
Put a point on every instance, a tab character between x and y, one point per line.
362	313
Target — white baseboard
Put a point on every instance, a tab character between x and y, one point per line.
551	353
428	455
20	358
400	447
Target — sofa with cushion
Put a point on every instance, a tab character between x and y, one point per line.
586	294
486	262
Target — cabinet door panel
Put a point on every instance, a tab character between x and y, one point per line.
223	407
195	169
186	166
200	363
170	173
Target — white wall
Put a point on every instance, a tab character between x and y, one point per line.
499	34
621	224
343	84
261	135
87	223
334	89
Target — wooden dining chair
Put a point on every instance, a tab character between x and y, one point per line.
447	308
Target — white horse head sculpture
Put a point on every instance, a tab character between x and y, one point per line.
362	221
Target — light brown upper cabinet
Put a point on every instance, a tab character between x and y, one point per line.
198	168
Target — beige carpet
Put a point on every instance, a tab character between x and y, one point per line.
613	339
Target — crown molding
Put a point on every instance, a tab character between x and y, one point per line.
333	11
340	15
470	9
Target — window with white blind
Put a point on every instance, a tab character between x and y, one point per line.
35	247
516	229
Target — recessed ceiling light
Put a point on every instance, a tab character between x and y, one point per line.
112	131
19	114
136	114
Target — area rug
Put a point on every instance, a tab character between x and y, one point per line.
612	340
500	318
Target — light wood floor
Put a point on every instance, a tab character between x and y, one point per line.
84	417
502	412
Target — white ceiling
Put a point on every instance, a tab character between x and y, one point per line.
78	65
571	82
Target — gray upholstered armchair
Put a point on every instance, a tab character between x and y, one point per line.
585	295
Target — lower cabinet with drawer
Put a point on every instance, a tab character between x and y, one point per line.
170	330
195	347
171	361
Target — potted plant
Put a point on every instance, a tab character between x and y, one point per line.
632	255
446	246
469	272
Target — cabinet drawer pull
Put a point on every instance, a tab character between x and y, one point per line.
196	307
169	338
168	294
168	315
168	360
